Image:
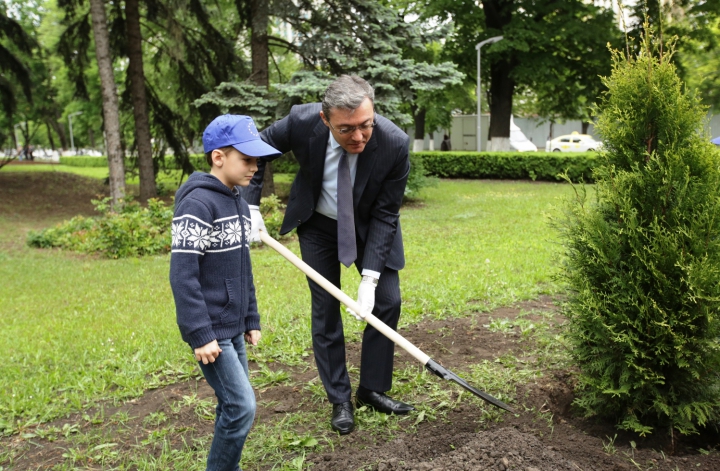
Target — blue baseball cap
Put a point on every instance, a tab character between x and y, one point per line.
238	131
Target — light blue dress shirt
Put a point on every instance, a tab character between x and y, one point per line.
327	204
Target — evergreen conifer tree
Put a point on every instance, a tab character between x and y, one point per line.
642	256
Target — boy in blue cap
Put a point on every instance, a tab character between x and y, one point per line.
211	277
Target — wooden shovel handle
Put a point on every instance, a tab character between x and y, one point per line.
383	328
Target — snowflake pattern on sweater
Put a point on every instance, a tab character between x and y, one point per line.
190	234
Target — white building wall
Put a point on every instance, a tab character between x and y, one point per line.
463	131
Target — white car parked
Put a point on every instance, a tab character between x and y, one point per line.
574	142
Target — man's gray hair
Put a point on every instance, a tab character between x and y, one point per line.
347	92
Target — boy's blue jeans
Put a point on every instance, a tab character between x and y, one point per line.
235	410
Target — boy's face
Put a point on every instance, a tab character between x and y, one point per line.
232	167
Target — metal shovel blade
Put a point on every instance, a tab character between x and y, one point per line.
444	373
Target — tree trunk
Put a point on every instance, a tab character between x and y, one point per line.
260	69
26	141
14	139
111	113
419	118
139	101
585	127
502	89
50	137
259	43
498	14
550	136
27	135
60	131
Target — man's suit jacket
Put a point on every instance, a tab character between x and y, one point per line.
382	172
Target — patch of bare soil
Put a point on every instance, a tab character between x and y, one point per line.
39	196
527	441
36	200
556	439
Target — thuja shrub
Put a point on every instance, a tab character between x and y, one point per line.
642	256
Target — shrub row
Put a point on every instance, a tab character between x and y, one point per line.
133	230
198	161
285	164
84	161
510	165
501	165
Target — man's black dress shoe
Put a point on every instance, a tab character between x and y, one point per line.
381	403
343	420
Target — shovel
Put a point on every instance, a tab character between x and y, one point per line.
398	339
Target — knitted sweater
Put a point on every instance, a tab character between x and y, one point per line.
210	271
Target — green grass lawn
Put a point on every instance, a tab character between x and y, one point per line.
75	329
485	241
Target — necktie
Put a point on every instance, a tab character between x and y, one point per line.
347	250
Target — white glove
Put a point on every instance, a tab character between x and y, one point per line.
366	297
256	223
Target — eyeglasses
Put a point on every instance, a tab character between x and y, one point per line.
350	129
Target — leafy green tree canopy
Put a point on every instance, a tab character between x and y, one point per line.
360	37
554	51
14	42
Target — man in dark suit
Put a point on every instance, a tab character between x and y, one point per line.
345	203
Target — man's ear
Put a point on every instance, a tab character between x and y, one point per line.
322	116
217	157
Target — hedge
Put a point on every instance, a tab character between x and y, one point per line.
84	161
510	165
285	164
198	161
499	165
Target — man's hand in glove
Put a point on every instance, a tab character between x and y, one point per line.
366	297
256	223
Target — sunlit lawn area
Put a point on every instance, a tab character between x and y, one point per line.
75	329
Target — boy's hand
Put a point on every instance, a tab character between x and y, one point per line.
208	352
252	337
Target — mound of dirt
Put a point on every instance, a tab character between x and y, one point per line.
43	196
503	449
36	200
